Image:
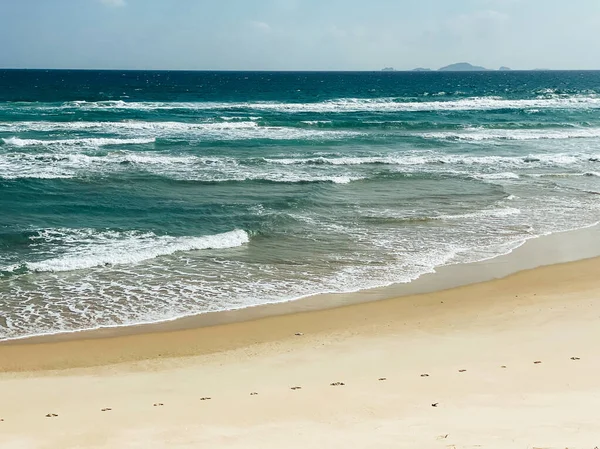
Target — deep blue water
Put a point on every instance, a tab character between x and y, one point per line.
130	197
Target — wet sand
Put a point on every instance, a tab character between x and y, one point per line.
505	363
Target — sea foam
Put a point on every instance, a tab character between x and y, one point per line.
339	105
88	248
84	142
357	105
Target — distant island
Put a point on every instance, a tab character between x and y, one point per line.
457	67
462	67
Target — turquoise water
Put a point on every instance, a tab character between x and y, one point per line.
131	197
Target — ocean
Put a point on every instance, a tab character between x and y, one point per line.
136	197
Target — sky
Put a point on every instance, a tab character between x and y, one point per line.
298	34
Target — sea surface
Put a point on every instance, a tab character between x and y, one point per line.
134	197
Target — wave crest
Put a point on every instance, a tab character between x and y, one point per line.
88	248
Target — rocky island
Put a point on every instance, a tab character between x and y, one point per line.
462	67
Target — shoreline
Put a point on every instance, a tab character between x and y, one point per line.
262	325
556	248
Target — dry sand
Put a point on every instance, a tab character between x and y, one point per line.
496	331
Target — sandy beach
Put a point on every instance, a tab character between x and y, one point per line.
506	363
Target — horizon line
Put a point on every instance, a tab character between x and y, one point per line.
294	70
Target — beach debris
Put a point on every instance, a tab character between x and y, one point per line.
158	404
383	378
337	384
254	393
424	375
435	404
298	334
296	388
106	409
205	399
51	415
537	362
575	358
462	370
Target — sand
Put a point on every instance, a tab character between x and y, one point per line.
449	369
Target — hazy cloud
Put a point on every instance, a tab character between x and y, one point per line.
260	26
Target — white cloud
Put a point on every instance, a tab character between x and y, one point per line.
261	26
113	3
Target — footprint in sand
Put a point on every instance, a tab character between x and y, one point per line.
337	384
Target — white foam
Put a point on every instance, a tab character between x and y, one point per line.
146	132
590	101
486	213
316	122
362	105
515	134
70	163
88	248
85	142
186	168
129	125
493	176
434	158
